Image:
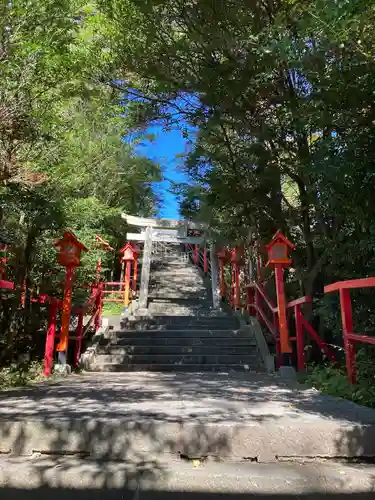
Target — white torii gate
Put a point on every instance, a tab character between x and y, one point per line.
169	231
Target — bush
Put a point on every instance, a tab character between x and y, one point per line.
20	375
334	382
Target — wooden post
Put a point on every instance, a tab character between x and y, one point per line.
146	264
135	275
347	327
79	335
299	338
127	283
62	346
50	338
205	261
285	346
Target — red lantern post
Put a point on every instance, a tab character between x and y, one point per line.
278	256
69	255
128	258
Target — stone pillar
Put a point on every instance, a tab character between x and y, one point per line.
214	280
146	264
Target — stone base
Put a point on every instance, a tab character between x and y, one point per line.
63	370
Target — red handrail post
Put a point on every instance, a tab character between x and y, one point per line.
79	335
50	338
196	254
299	338
347	327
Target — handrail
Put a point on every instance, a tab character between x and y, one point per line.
344	285
350	338
270	327
302	300
265	298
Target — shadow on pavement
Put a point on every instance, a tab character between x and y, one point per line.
124	494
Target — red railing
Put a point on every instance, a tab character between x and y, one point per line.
93	309
301	325
258	304
116	293
350	338
256	300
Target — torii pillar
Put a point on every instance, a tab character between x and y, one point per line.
145	276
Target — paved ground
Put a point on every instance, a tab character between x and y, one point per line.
63	478
147	416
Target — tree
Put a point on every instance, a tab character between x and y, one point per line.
64	157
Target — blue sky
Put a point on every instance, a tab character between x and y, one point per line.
163	150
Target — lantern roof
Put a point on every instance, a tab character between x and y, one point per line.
104	243
278	237
130	246
127	246
69	236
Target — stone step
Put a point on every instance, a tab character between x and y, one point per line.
181	323
167	274
195	368
175	350
163	340
178	359
190	333
183	294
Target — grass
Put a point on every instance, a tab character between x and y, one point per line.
112	308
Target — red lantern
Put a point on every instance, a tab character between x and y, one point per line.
69	250
128	253
278	250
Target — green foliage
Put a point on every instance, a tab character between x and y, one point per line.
334	382
20	375
64	159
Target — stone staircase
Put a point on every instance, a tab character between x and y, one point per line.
183	332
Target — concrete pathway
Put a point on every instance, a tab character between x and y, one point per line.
64	478
148	416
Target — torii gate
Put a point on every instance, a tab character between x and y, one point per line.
168	231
